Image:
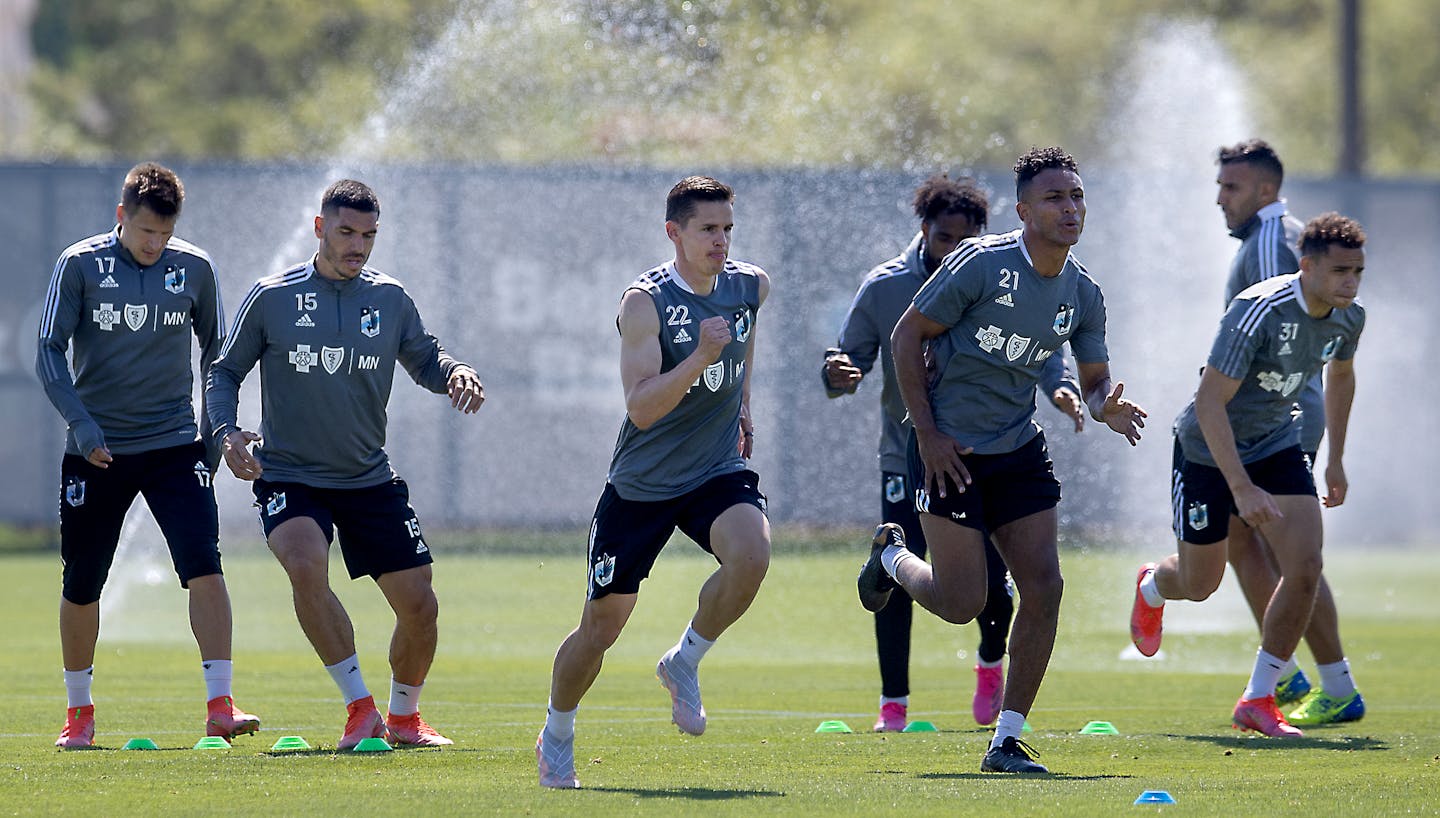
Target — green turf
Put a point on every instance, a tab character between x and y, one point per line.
803	654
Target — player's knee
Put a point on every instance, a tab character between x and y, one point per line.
1042	589
600	632
958	610
420	606
81	584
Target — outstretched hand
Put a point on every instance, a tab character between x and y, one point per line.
238	457
465	390
1122	415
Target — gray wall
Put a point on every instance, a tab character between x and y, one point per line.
518	270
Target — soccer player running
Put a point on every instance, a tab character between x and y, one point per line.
1238	449
997	308
129	300
1249	180
327	335
949	212
687	352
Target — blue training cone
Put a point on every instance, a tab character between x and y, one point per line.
1155	797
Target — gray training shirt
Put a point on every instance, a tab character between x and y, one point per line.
327	352
883	297
1268	243
1269	342
697	440
1005	320
131	329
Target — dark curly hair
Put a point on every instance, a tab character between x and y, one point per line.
153	187
1036	160
1256	153
1330	229
940	195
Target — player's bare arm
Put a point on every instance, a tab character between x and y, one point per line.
236	449
465	390
1339	396
1069	404
1107	404
1253	504
649	393
938	451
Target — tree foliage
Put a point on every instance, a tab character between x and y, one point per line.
751	82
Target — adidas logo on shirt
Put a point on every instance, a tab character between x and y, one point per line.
304	321
108	282
1005	300
681	337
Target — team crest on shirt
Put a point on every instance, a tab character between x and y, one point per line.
1280	382
894	488
135	315
370	322
1016	346
75	492
744	322
106	316
175	279
275	504
715	376
1064	318
1331	347
604	571
302	357
990	337
331	358
1199	516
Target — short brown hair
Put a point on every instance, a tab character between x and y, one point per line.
154	187
352	194
1329	229
690	191
1258	154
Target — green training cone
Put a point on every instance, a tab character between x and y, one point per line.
1099	728
211	743
921	727
1154	797
285	743
373	745
1026	728
833	726
140	744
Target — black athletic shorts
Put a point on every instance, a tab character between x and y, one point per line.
1003	488
176	485
1201	501
379	532
626	536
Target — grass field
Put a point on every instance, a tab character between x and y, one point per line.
804	653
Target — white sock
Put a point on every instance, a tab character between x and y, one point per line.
1150	592
346	674
1264	676
558	724
1008	725
692	647
218	675
982	663
892	556
1290	667
77	687
903	701
1335	680
404	699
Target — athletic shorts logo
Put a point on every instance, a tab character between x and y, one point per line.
922	501
1199	516
331	358
1016	347
894	488
604	571
715	376
275	504
1064	317
302	358
75	492
202	474
135	315
990	338
175	279
370	322
106	316
744	322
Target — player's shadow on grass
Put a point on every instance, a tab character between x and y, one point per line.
1019	777
692	793
1309	741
